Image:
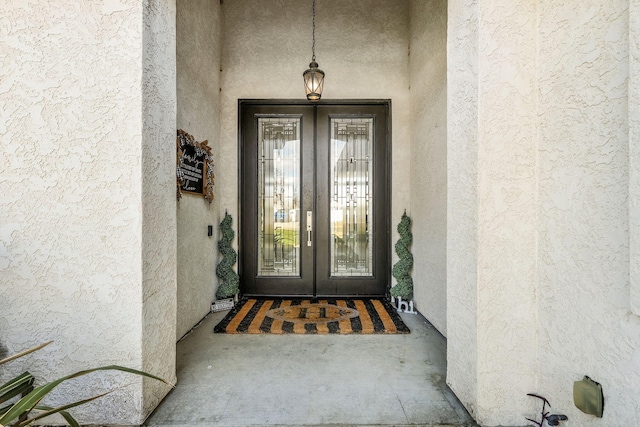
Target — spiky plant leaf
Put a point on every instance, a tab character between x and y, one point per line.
24	353
48	410
28	402
23	383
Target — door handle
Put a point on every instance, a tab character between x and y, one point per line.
309	226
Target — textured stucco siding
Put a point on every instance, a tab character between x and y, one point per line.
198	94
72	254
362	46
462	200
428	83
507	210
586	327
547	295
634	152
158	199
492	209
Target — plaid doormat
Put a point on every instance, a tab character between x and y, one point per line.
324	316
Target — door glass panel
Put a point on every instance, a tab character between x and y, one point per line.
278	196
351	179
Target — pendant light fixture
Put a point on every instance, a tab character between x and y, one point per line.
313	77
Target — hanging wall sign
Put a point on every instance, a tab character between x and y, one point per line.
194	166
194	169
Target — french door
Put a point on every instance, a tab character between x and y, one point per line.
314	183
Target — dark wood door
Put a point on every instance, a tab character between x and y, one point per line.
314	183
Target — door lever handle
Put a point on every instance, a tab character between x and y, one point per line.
309	226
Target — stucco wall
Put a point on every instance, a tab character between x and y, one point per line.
462	200
198	95
72	255
634	152
492	208
547	298
586	327
507	210
428	82
158	199
361	45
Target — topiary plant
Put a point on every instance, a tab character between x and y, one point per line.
402	269
229	280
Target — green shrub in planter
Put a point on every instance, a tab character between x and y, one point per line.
402	269
229	280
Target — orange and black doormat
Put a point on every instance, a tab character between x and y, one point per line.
324	316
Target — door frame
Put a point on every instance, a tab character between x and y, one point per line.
386	103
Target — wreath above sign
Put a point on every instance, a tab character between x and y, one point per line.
194	166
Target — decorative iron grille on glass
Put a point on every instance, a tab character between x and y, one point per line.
279	197
313	77
351	201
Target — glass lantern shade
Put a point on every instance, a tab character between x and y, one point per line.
313	81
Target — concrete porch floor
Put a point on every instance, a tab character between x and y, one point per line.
304	380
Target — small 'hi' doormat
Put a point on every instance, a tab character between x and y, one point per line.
325	316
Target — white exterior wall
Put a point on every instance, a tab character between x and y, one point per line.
586	327
78	262
198	95
634	152
159	261
361	46
492	209
507	211
428	212
547	298
462	201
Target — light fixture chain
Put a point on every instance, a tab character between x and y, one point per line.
313	77
313	31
